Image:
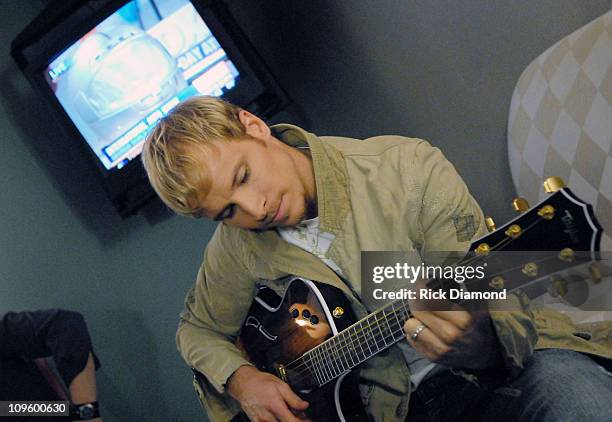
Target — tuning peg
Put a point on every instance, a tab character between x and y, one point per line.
567	254
558	287
595	273
490	223
530	269
514	231
520	204
553	184
547	212
497	283
483	249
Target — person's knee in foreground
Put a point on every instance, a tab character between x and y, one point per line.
281	190
27	339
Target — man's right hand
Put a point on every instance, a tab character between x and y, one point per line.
263	397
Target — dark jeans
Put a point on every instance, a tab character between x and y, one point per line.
556	385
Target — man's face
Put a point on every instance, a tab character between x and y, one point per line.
257	184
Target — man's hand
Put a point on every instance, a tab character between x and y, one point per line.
459	339
263	397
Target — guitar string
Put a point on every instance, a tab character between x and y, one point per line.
348	337
330	364
337	361
495	249
314	354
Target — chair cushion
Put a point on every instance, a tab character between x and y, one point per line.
560	121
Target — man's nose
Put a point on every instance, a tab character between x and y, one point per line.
254	204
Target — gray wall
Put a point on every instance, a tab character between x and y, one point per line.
442	70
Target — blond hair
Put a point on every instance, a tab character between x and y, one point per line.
170	153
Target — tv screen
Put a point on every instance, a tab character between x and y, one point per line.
128	71
113	68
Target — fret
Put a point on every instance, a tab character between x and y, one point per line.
372	329
317	362
339	353
386	318
344	350
367	328
379	329
406	309
319	372
356	337
399	323
325	361
324	368
314	369
354	352
365	337
332	353
329	375
329	361
362	338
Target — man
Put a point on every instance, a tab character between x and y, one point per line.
26	340
294	203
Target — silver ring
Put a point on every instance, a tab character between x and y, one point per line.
418	331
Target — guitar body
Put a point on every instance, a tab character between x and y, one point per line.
277	331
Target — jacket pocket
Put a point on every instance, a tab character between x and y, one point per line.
585	335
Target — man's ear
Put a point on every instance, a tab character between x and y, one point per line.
254	126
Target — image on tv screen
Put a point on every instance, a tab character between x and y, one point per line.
125	74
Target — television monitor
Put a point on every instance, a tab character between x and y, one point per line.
113	68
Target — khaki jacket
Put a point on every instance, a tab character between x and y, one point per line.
380	194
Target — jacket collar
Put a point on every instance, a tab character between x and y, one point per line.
333	201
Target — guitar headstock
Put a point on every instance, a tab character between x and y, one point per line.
558	233
558	222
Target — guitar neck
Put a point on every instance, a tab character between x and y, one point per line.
357	343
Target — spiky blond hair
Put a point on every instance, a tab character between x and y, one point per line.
171	155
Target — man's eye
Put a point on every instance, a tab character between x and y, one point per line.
229	212
245	176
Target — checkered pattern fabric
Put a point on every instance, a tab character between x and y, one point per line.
465	227
560	120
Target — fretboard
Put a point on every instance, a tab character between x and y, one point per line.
357	343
